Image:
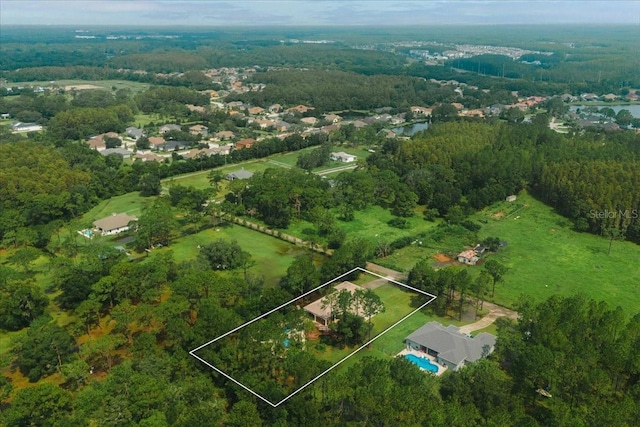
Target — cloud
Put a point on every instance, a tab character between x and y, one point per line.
315	12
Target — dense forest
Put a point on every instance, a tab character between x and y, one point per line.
580	66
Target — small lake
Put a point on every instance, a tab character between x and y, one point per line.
633	109
412	129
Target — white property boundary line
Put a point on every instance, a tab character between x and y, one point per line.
192	352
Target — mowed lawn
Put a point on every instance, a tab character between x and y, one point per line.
200	179
104	84
272	256
130	203
546	257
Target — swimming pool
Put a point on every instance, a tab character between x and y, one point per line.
422	363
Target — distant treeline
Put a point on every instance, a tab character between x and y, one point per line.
584	66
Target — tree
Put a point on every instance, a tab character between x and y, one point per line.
497	271
480	288
491	243
155	225
42	405
444	112
143	143
149	185
45	348
223	255
370	304
24	257
244	414
302	275
20	304
112	142
215	177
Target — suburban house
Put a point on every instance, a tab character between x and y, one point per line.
300	109
421	111
114	224
254	111
148	157
25	127
134	133
311	121
341	156
156	141
96	144
199	130
239	174
245	143
116	151
225	134
332	118
167	128
321	309
511	198
468	257
449	346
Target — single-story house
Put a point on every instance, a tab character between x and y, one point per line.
25	127
332	118
156	141
341	156
468	257
300	109
148	157
245	143
449	346
225	134
199	130
256	110
167	128
118	151
134	133
311	121
239	174
512	198
114	224
173	145
321	309
5	116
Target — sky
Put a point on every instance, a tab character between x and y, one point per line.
218	13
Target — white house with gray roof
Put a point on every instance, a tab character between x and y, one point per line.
114	224
450	347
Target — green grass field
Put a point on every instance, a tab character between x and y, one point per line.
272	256
130	203
106	84
546	257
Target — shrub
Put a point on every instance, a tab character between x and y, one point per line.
399	223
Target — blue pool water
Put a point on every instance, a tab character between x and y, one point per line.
422	363
286	342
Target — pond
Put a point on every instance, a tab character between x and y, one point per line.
412	129
633	109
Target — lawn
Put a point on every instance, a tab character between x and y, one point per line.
272	256
546	257
106	84
130	203
371	224
200	181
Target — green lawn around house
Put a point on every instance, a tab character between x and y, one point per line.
200	179
130	203
546	257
